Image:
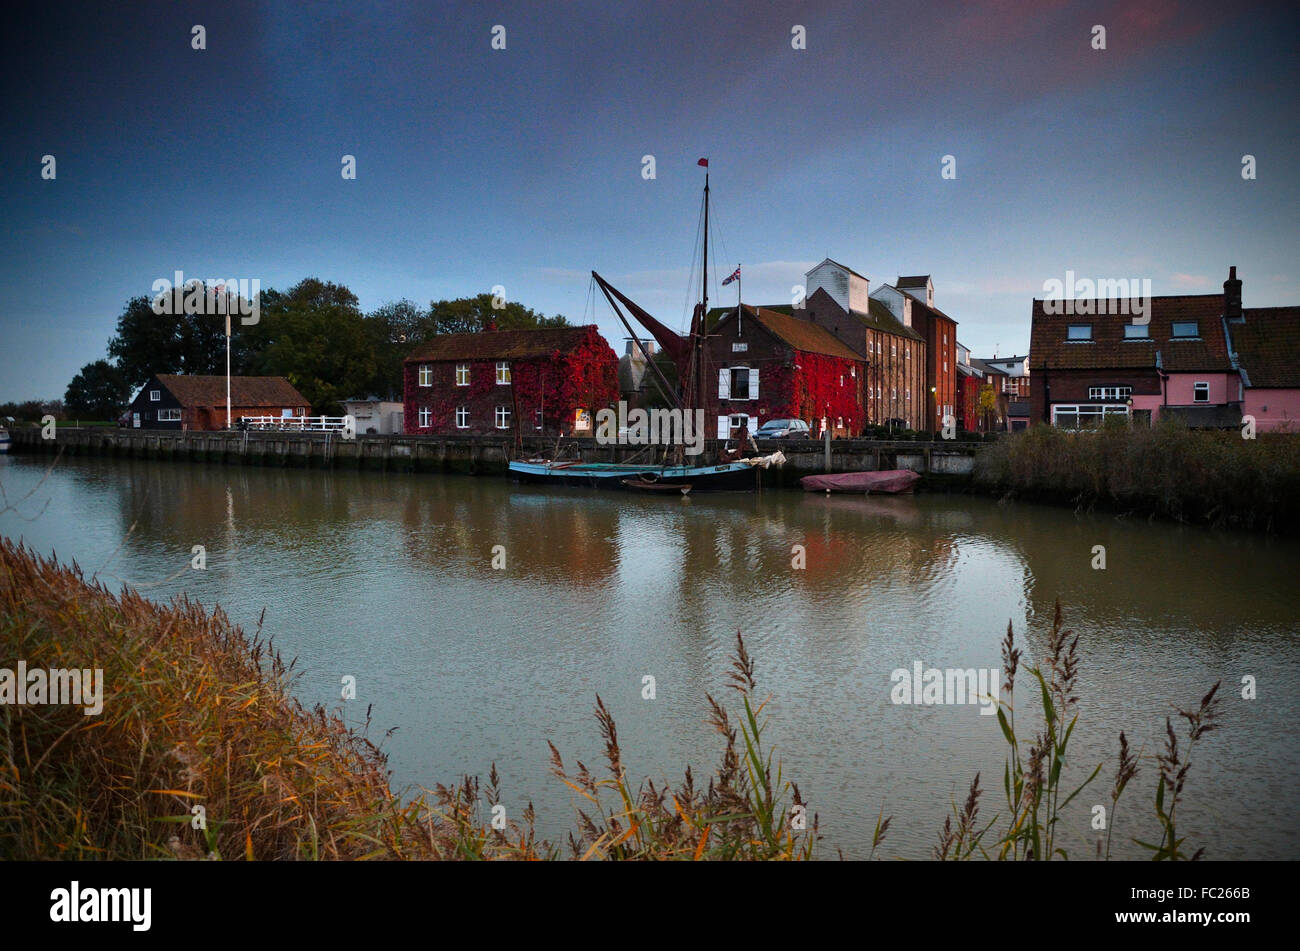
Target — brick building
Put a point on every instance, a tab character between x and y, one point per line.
547	381
911	301
765	364
179	401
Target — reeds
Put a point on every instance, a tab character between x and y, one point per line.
1165	470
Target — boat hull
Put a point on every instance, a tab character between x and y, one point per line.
886	482
728	476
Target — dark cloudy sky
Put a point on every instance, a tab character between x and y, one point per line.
523	167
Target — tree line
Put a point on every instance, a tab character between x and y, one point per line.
314	334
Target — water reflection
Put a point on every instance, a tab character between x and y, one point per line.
389	578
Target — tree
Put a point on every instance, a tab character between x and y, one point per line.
988	402
315	336
147	343
99	391
475	314
392	329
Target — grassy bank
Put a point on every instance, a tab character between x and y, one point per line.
197	749
1169	471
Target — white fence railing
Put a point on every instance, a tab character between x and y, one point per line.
316	424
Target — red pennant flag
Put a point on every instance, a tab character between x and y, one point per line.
704	162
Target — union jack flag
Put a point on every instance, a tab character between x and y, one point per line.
735	276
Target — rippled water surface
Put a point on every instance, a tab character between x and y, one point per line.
388	578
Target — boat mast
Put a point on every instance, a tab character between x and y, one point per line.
704	301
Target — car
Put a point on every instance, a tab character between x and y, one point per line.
783	429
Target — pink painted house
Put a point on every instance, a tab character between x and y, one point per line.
1200	357
1266	348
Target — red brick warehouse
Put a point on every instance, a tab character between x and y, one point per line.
533	381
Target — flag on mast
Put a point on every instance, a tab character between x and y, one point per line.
735	276
704	162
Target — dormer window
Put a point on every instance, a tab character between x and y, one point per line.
1079	332
1186	328
1136	332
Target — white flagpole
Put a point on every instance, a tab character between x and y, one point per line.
227	370
740	311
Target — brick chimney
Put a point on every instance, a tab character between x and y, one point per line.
1232	296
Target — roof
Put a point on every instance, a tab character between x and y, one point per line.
880	317
843	267
802	335
986	368
1268	346
1006	359
1109	350
501	344
916	280
930	308
244	390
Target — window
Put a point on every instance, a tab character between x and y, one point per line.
1136	332
503	373
1109	392
462	417
739	347
426	375
1079	332
1186	328
503	417
426	417
744	384
1200	392
169	416
1085	415
154	396
462	374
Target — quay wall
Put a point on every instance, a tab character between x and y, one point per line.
943	464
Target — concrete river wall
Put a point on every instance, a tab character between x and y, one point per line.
940	462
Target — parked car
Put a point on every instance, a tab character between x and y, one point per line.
783	429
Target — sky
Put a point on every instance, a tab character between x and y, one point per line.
524	167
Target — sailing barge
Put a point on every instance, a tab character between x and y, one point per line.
734	469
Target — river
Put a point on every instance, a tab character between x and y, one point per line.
389	578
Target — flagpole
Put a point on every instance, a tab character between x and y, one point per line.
227	370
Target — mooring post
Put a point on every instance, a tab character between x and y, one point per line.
827	433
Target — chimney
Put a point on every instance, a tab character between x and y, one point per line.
1232	296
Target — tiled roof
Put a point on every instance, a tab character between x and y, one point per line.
1268	345
500	344
799	334
1109	350
916	280
926	308
879	317
986	368
244	390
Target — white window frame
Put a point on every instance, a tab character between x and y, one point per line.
1201	386
462	417
462	374
1097	411
503	373
739	347
425	416
426	374
169	418
1109	392
154	396
502	417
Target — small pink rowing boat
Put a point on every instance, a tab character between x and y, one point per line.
888	482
